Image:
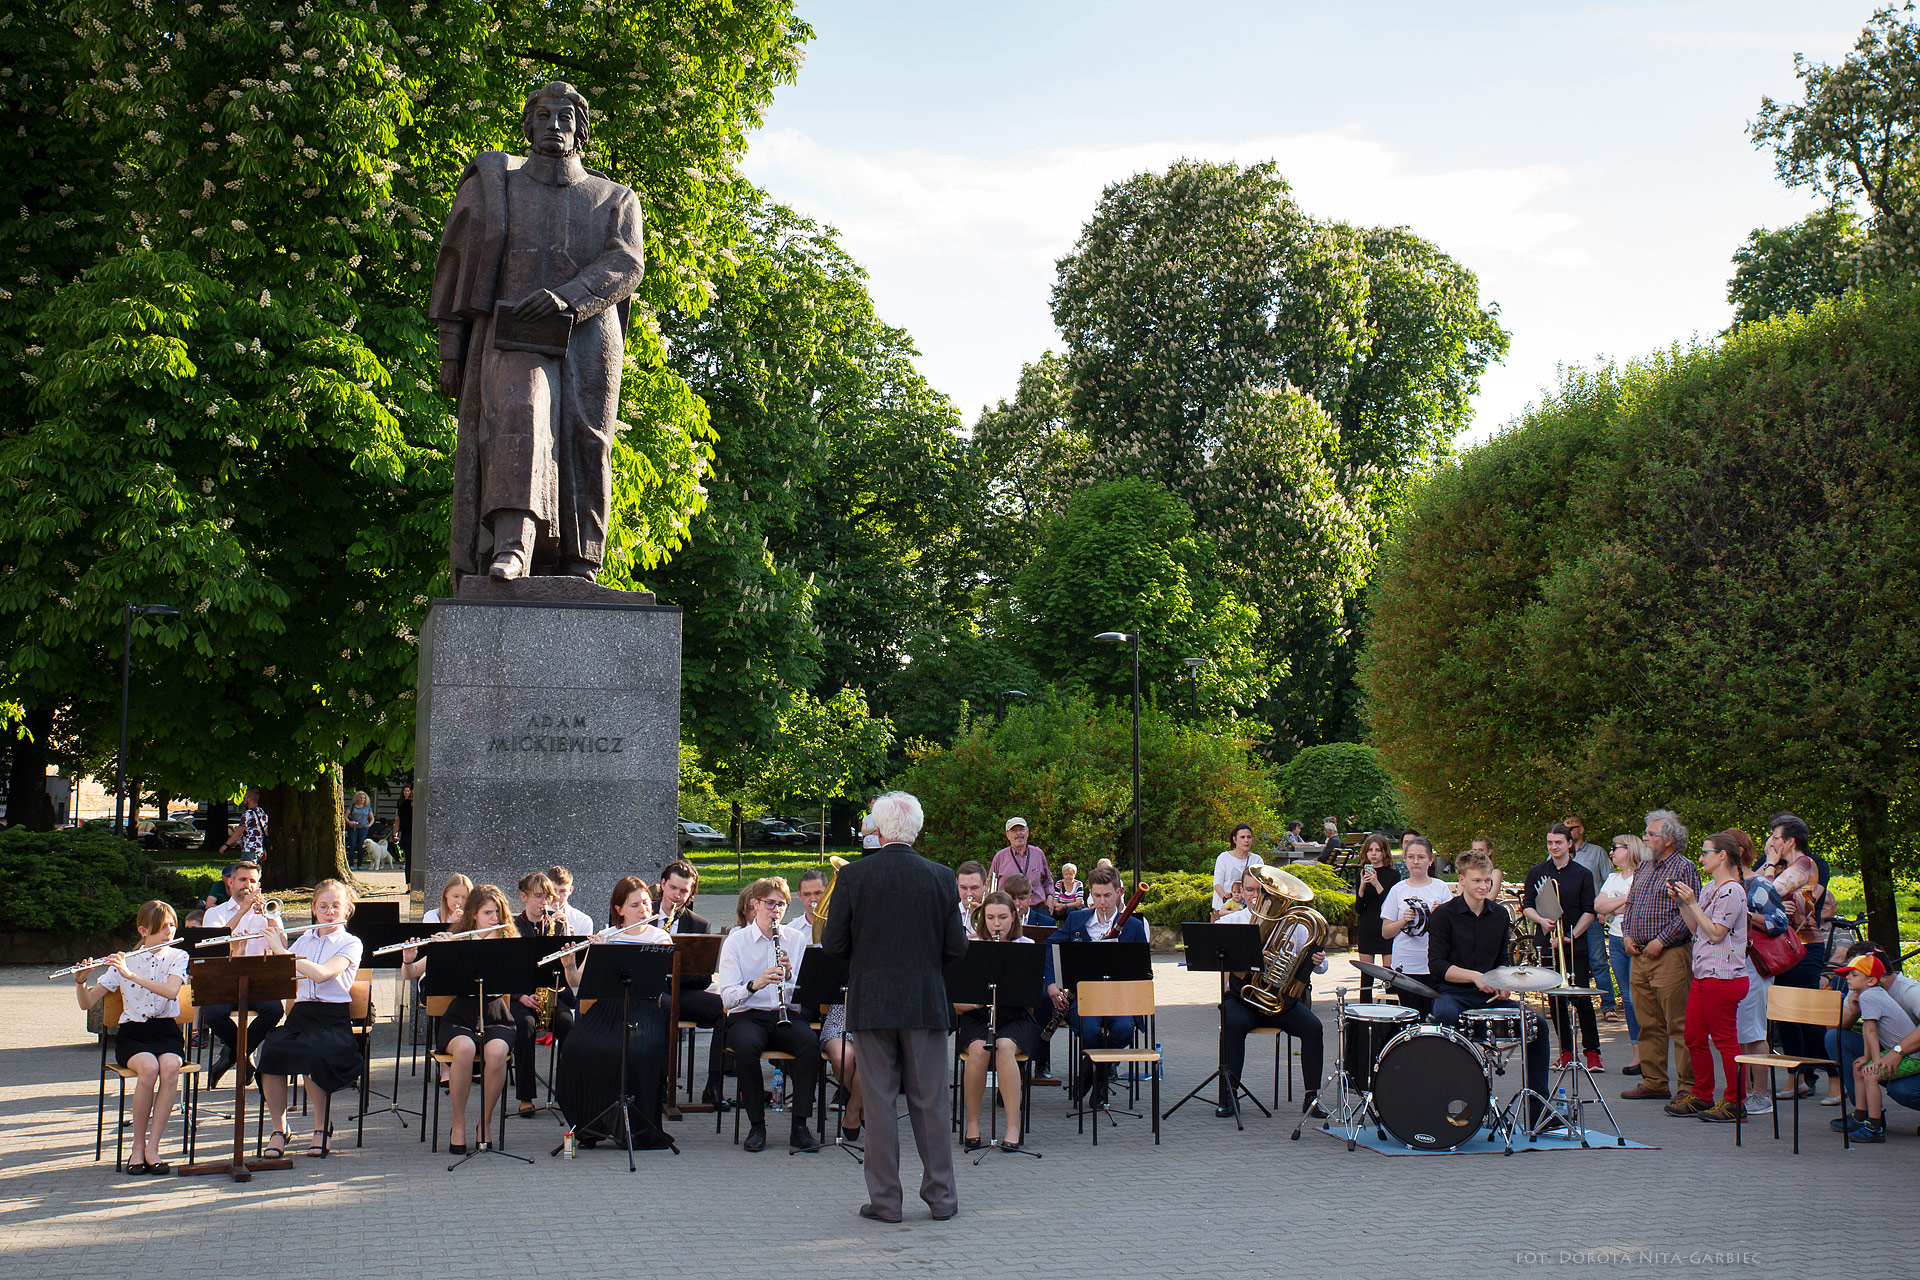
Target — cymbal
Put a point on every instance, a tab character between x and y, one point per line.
1521	977
1284	883
1395	980
1571	991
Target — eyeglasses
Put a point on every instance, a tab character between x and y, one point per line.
775	903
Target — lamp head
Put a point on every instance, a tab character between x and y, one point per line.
1113	637
1195	663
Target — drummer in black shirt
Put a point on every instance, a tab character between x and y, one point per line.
1576	889
1466	937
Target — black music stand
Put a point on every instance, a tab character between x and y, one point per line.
504	966
625	971
1078	962
1039	932
383	911
1223	949
696	955
190	936
373	935
238	981
978	977
822	981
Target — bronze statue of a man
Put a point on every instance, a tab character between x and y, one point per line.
537	264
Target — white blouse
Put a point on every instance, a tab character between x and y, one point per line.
140	1004
318	948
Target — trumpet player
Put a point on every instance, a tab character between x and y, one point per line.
972	878
540	917
699	1003
244	911
1238	1018
148	1040
755	961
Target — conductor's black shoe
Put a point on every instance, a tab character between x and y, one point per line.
868	1211
942	1217
222	1063
801	1139
757	1138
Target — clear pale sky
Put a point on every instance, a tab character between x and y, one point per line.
1588	160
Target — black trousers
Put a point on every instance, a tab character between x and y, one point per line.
752	1032
705	1010
1579	966
526	1045
219	1020
1237	1021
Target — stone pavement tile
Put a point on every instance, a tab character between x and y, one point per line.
1209	1201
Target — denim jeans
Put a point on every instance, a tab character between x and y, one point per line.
1597	962
1843	1047
1621	964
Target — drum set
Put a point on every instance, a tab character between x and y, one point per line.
1432	1086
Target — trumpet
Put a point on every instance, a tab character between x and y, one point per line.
97	962
421	942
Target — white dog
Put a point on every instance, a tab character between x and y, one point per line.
375	852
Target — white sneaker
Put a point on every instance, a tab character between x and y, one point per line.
1759	1103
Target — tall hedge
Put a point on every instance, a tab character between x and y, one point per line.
79	882
1690	582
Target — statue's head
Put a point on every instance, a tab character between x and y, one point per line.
555	120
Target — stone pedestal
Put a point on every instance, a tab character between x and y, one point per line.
548	732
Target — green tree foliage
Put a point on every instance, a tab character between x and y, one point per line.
1030	458
79	882
1854	133
826	751
1688	583
1066	765
832	506
951	673
216	313
1124	556
1343	780
1796	266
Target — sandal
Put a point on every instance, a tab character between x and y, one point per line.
317	1149
277	1143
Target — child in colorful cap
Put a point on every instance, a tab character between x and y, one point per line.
1889	1064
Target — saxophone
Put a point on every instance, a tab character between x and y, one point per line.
547	996
1280	912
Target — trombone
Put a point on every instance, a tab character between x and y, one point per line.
97	962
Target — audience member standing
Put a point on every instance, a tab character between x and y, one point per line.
403	827
1230	864
359	821
1594	859
1800	876
1610	904
251	833
1718	919
1024	858
1661	945
1377	878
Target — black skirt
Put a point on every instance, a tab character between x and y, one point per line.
156	1036
587	1081
458	1021
316	1040
1016	1025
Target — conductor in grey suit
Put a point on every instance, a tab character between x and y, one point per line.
892	920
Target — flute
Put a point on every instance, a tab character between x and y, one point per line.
253	937
421	942
611	931
96	963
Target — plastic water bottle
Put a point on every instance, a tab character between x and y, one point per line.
1157	1060
779	1089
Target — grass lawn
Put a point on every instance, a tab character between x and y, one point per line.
718	873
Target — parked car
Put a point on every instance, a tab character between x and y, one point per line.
171	835
772	831
698	835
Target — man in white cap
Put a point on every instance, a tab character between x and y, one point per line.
1029	860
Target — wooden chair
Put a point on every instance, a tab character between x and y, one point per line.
775	1056
1818	1007
1120	1000
111	1009
360	1011
436	1007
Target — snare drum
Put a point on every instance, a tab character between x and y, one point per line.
1493	1027
1430	1088
1369	1027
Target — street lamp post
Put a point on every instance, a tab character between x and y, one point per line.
999	701
1123	637
1194	665
126	697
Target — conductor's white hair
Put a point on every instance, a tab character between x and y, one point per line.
897	818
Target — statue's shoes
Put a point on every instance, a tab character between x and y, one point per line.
508	565
580	569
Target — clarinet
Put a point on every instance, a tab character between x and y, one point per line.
780	958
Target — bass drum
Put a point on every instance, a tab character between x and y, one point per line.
1430	1088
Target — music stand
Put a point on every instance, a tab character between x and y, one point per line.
373	935
696	955
978	977
507	967
1039	932
1078	962
239	981
625	970
189	937
1222	949
385	911
822	981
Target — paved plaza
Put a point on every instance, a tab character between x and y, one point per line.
1208	1202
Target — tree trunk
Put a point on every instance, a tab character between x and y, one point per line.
306	833
1872	830
219	820
28	804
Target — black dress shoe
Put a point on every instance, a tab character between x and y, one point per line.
1313	1107
712	1097
942	1217
159	1167
868	1211
222	1063
972	1144
137	1170
757	1138
849	1135
456	1148
1223	1112
801	1139
1009	1146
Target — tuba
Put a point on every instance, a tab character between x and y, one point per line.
1279	912
819	921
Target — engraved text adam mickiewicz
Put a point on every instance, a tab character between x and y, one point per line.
554	734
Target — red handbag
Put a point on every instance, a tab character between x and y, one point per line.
1774	954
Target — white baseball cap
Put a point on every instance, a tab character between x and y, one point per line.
1015	822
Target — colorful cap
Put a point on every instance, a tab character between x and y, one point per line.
1869	964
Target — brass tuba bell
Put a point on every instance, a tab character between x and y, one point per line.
1280	911
819	921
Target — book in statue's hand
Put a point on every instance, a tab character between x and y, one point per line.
546	335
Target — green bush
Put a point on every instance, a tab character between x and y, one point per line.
1343	779
80	882
1175	897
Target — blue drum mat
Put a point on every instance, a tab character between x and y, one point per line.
1481	1145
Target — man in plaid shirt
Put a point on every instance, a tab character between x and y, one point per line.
1661	944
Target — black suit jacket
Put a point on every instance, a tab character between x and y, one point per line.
688	922
893	920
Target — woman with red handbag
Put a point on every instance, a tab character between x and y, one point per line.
1800	878
1772	947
